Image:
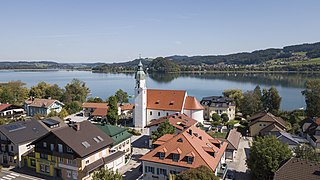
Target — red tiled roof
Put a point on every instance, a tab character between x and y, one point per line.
189	144
171	100
178	120
94	105
4	106
125	107
192	103
100	112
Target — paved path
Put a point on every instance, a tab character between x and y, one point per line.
238	165
9	175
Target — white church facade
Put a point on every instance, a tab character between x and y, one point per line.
155	103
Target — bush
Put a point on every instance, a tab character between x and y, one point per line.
215	117
134	132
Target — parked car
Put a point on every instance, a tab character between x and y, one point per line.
230	175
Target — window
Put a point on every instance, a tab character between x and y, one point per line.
33	162
158	113
60	160
11	148
74	174
149	169
68	174
190	160
87	161
51	147
175	157
173	172
161	171
69	149
127	141
167	114
43	156
161	155
44	168
60	147
70	161
44	144
150	113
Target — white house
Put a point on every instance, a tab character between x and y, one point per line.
155	103
35	106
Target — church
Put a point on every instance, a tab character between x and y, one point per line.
155	103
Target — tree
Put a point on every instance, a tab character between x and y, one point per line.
306	152
202	172
45	90
225	117
251	102
312	97
271	100
164	128
122	96
163	65
75	91
112	114
53	113
95	100
73	107
266	155
63	113
106	174
235	94
215	117
13	92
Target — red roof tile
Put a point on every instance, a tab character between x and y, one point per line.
94	105
100	112
187	144
192	104
4	106
171	100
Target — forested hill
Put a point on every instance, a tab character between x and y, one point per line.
255	57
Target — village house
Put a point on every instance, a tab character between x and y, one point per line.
219	105
298	169
11	111
99	111
74	152
233	140
290	139
121	138
310	130
35	106
15	138
265	124
189	149
152	104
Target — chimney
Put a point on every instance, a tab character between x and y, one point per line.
76	126
49	97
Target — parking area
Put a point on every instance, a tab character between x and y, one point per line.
238	165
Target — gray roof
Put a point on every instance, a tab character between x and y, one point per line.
291	137
23	131
233	139
223	101
84	141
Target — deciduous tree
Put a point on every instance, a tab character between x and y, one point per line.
122	96
106	174
201	172
266	155
235	94
164	128
312	96
76	91
271	100
112	114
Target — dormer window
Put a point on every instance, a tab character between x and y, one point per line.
158	102
161	155
175	157
190	159
171	102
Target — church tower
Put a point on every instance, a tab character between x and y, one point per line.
140	101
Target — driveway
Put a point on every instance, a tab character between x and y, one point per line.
239	163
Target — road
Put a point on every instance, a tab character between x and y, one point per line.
8	175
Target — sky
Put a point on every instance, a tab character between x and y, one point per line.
118	31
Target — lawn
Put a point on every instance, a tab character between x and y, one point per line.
218	135
311	61
300	53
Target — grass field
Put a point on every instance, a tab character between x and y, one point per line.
311	61
218	135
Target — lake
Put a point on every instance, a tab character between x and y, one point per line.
197	84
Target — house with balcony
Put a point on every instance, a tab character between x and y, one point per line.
11	111
14	140
74	152
35	106
189	149
218	105
121	138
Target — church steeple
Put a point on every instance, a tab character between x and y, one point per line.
140	101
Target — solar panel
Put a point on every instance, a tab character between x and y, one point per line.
50	122
85	144
14	127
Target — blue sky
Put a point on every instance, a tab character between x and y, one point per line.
114	31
